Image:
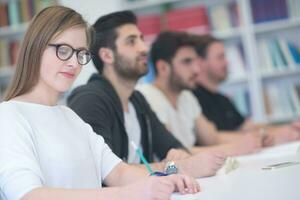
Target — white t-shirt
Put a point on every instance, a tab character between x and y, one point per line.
182	119
133	130
49	146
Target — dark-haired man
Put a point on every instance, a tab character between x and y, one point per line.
217	107
176	67
110	105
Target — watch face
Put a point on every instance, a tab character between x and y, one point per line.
171	168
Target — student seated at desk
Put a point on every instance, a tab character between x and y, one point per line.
46	150
176	66
217	107
110	104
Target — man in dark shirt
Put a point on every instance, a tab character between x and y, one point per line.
217	107
109	103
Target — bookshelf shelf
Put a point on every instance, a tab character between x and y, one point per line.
11	31
277	25
280	74
145	4
228	33
236	81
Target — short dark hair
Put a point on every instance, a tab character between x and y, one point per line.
166	46
106	34
202	43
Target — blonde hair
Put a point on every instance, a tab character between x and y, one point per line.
46	25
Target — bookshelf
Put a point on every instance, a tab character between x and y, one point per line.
12	31
277	25
14	20
259	22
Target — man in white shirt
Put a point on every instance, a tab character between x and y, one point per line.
176	67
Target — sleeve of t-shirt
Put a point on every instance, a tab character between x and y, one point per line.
105	159
19	169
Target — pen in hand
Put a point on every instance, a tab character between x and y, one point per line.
140	154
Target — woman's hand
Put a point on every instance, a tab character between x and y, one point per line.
160	188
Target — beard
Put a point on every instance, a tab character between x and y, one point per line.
178	84
217	78
130	69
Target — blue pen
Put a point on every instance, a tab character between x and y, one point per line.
139	152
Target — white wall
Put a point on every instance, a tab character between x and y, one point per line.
91	11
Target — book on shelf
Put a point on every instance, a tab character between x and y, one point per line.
278	54
150	26
224	16
197	19
192	19
264	10
13	13
4	54
235	14
13	51
294	96
3	15
236	61
278	60
8	52
294	8
282	100
294	50
219	17
287	54
266	64
25	11
16	12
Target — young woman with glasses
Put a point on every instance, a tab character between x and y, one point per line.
46	150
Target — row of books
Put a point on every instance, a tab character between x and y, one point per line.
278	54
8	52
198	19
220	16
224	16
282	100
16	12
269	10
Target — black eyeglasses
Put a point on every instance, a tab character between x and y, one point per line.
65	52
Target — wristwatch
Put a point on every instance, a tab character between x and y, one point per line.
171	168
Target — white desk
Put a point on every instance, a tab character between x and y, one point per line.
250	182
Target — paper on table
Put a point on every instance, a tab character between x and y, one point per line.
290	149
282	150
230	165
